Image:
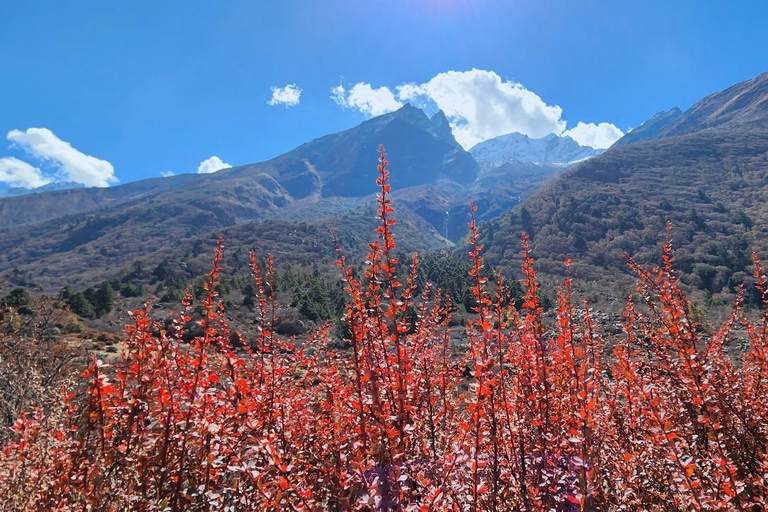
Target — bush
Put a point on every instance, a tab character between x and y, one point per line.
34	363
531	416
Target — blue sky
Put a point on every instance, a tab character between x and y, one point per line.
118	91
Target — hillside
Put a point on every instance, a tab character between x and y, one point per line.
9	191
743	104
651	129
711	183
341	164
344	164
82	236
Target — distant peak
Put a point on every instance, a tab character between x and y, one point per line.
441	126
666	113
550	149
409	109
439	117
50	187
410	112
745	103
652	128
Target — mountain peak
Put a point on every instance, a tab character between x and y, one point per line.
674	111
652	128
439	118
745	103
407	106
441	126
408	111
550	149
6	191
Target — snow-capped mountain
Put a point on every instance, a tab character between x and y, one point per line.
552	150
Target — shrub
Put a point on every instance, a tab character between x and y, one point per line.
34	362
531	416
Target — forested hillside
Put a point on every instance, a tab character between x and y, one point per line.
711	184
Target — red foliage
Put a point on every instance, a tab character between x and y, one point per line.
532	416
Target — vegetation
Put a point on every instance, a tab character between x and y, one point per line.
93	302
711	185
531	416
283	206
35	360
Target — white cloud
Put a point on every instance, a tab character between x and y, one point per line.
290	95
366	99
77	166
18	173
600	136
167	174
479	105
411	92
212	164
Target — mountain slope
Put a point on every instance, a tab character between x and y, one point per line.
711	183
79	235
31	208
344	164
7	191
340	164
743	104
651	129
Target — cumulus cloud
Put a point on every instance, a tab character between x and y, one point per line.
479	105
290	95
42	143
366	99
167	174
212	164
600	136
18	173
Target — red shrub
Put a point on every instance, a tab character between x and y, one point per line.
530	417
